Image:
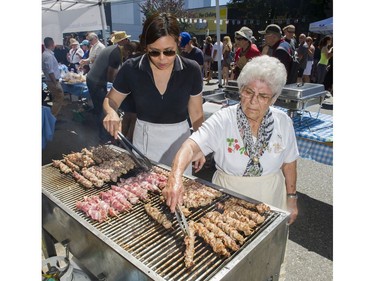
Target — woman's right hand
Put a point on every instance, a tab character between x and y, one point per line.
112	123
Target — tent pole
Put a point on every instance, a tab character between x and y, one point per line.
103	19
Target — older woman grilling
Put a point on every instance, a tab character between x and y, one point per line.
254	144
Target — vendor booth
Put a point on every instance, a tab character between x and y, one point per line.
324	27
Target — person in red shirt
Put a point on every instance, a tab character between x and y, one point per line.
246	49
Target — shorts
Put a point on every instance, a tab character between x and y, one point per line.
214	65
308	68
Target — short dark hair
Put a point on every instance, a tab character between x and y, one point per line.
48	41
159	25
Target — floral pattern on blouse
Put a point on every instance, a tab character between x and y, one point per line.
234	146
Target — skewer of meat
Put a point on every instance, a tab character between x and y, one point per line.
63	168
229	230
71	165
127	194
158	216
189	243
82	180
243	211
100	174
261	207
237	216
91	177
216	244
216	216
228	242
137	190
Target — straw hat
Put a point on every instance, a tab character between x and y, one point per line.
73	41
119	36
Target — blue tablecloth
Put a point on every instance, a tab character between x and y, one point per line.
314	132
48	125
79	89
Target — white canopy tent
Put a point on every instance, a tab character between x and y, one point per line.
322	27
63	16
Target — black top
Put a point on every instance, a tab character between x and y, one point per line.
135	76
108	57
195	54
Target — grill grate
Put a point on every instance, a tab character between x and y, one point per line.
159	249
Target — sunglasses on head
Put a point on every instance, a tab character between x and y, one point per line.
167	53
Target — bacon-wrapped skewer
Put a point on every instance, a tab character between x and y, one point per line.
128	195
158	216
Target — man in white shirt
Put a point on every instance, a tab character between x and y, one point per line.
217	54
96	48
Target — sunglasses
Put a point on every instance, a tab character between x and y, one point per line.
167	53
240	38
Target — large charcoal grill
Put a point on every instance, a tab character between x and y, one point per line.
133	247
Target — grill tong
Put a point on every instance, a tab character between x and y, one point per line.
182	221
141	160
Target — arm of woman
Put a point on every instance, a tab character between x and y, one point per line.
196	117
111	121
174	190
195	109
290	173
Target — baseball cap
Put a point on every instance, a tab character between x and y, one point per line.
271	28
85	42
290	28
185	38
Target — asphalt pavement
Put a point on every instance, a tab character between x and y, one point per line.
309	254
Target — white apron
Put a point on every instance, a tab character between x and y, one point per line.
269	189
160	142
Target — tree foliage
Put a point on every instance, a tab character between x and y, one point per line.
175	7
273	9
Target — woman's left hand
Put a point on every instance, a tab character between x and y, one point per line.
198	164
293	209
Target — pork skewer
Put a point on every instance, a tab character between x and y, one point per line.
158	216
189	243
216	244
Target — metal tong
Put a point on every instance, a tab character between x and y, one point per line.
182	221
141	159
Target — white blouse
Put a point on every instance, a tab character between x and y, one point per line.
219	134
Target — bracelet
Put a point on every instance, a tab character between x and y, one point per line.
292	195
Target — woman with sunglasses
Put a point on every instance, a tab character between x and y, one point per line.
246	49
254	144
166	88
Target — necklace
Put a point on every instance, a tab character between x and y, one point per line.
254	149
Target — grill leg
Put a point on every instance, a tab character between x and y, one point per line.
48	244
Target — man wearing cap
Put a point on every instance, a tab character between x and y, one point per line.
279	48
104	70
96	48
289	32
188	50
246	49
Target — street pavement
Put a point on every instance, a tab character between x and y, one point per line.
309	255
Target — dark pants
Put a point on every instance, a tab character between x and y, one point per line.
98	92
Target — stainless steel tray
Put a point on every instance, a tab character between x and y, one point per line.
301	91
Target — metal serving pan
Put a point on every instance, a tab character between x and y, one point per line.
301	90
